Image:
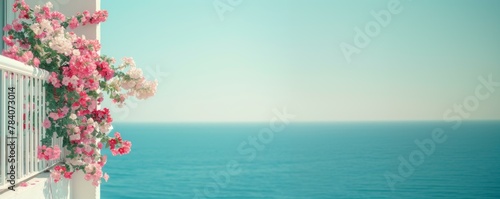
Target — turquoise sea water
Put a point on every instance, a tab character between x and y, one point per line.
306	160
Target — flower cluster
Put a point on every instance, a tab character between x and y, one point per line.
118	146
48	153
79	79
58	171
133	84
93	172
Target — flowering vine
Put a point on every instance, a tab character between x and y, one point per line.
78	79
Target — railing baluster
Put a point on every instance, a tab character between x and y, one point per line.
20	130
39	133
33	123
44	111
29	123
26	123
37	127
24	118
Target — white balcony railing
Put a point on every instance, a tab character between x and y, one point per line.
22	111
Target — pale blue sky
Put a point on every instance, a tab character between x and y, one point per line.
274	53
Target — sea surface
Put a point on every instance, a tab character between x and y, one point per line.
307	160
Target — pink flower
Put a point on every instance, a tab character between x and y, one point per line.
17	26
75	106
64	110
93	105
95	183
57	15
8	40
106	177
87	176
27	56
118	136
65	81
36	62
7	28
68	175
56	175
56	153
14	6
55	24
23	14
48	153
46	10
85	16
127	144
54	80
114	152
54	116
40	151
25	184
78	150
46	123
74	80
103	161
73	23
112	143
11	52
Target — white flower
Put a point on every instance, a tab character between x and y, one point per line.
76	52
37	9
131	93
48	4
89	168
47	26
36	28
135	73
72	116
127	84
61	44
114	83
129	61
105	128
148	90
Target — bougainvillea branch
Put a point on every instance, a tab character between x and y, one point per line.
79	78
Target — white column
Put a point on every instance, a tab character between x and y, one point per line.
82	189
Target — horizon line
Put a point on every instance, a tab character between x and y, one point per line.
304	121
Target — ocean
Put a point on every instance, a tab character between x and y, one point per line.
307	160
